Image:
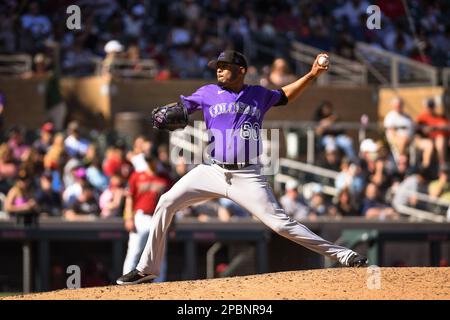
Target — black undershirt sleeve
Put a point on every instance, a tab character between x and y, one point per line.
283	99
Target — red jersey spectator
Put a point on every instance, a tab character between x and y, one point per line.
115	163
145	188
45	139
434	131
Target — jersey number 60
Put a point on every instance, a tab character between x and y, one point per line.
250	131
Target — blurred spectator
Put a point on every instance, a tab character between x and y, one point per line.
181	168
316	201
20	201
186	62
405	193
179	34
329	136
433	133
293	203
45	139
53	161
399	128
440	188
372	166
17	144
145	189
134	21
229	209
32	163
398	41
35	24
114	163
95	176
352	10
350	177
392	8
318	205
56	152
8	168
84	207
73	191
280	74
112	49
164	166
75	145
252	77
140	145
78	60
331	159
374	208
49	201
69	170
90	155
134	60
401	171
345	204
111	200
41	65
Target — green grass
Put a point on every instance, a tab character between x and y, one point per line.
5	294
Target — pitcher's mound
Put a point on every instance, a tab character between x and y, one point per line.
342	283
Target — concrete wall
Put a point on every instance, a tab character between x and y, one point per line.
96	101
143	95
25	101
88	100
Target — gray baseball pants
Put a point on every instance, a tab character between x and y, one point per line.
249	189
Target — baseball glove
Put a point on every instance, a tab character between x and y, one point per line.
170	117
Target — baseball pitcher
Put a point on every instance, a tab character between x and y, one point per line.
233	112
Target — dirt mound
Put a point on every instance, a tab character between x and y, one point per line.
343	283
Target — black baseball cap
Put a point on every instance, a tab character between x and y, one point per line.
230	56
430	103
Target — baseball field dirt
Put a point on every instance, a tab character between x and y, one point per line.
342	283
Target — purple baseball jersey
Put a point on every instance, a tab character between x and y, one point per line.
233	119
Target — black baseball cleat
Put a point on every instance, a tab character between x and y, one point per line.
357	261
135	277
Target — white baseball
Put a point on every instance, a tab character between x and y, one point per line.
323	61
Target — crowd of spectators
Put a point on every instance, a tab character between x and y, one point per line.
182	36
406	166
67	174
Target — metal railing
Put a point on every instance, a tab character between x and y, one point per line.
308	127
413	213
193	140
190	139
15	64
281	178
342	71
126	68
395	70
419	215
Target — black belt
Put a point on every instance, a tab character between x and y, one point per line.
231	166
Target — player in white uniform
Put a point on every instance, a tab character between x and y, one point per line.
233	113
